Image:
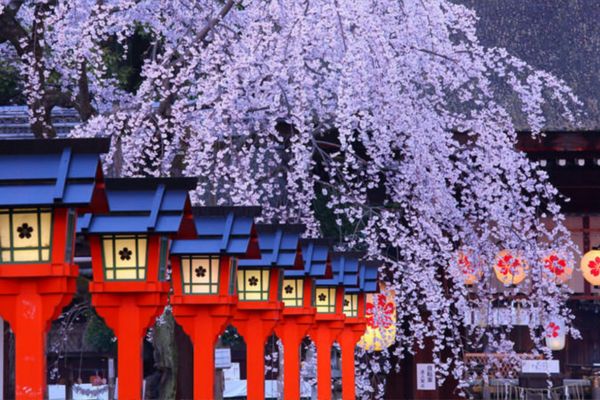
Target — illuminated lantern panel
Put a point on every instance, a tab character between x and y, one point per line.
381	321
509	269
351	304
292	292
200	274
253	284
555	334
325	300
557	268
25	235
590	267
125	257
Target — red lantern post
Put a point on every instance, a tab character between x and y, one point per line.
44	185
129	249
328	299
203	277
355	323
299	313
259	308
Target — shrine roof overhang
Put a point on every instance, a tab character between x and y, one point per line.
144	205
316	254
345	267
46	173
279	247
367	277
222	230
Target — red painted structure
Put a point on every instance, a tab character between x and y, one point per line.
330	317
255	320
39	175
155	210
324	333
299	313
223	233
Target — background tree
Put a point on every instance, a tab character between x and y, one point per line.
386	118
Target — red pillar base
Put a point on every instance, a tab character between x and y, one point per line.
129	315
325	331
203	323
30	305
353	331
256	326
292	329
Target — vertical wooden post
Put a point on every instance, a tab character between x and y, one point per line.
323	344
30	347
130	370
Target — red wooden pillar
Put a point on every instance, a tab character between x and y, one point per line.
354	329
255	326
324	333
294	326
130	315
203	325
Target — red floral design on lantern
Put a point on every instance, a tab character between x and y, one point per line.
552	330
594	266
555	264
379	313
465	264
508	264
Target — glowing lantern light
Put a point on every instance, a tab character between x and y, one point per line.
509	269
381	321
555	333
557	268
590	267
471	274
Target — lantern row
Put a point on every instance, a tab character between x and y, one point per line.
224	269
511	269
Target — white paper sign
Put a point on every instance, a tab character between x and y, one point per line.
232	373
425	377
540	366
222	358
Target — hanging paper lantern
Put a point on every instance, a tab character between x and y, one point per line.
381	321
509	268
471	274
556	268
555	334
590	267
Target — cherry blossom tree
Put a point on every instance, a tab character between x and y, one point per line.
386	122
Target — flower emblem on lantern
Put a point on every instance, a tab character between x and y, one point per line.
509	268
590	267
200	272
557	268
555	332
594	266
380	313
470	273
322	297
125	254
289	289
252	281
552	330
25	231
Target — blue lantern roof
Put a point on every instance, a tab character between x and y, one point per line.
143	205
367	277
317	260
222	230
279	247
50	172
345	270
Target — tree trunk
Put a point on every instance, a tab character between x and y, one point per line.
165	357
